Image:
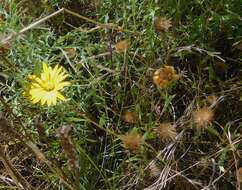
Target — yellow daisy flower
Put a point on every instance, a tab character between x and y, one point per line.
45	89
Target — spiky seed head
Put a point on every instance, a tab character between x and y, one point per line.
71	52
166	132
164	76
211	99
5	47
154	170
130	117
162	24
122	46
204	162
203	117
132	142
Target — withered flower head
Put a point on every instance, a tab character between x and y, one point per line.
71	52
164	76
211	99
132	142
130	117
153	170
5	46
203	117
122	46
166	132
162	24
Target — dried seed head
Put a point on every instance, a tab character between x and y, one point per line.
120	28
162	24
122	46
166	132
71	52
154	170
132	142
211	99
164	76
203	117
204	162
130	117
4	47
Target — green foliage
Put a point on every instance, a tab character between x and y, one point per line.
105	84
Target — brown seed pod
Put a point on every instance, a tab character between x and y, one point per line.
164	76
132	142
211	99
4	47
122	46
166	132
130	117
154	170
203	117
162	24
70	52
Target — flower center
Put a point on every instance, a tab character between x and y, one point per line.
48	86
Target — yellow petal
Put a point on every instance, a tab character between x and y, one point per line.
62	85
45	68
60	96
35	85
55	71
39	81
46	71
61	77
54	101
43	100
32	77
36	100
49	102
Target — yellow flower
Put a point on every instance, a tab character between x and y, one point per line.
46	88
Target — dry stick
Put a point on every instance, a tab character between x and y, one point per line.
18	179
10	37
107	26
62	10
